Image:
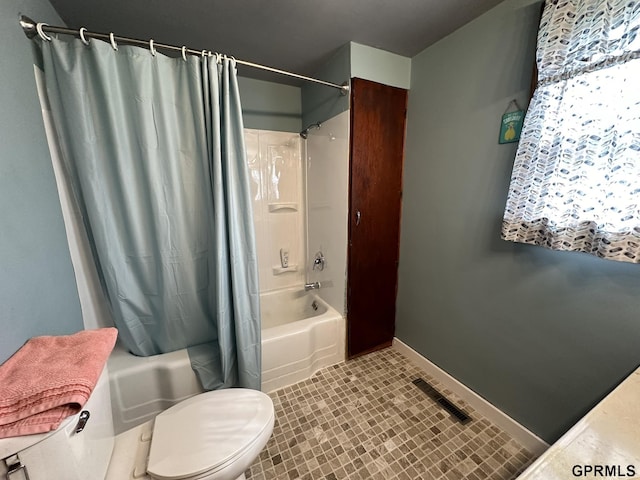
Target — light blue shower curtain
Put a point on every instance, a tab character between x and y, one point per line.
154	150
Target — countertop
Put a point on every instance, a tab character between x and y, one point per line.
607	437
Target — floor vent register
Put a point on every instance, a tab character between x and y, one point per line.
436	396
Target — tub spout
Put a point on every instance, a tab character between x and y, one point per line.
311	286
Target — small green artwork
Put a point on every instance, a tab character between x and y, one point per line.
511	126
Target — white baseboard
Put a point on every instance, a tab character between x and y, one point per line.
525	437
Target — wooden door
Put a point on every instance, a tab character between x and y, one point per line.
378	114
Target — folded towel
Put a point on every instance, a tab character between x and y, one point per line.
50	378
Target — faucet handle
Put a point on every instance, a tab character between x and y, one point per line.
319	262
311	286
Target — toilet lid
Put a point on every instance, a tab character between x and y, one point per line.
207	431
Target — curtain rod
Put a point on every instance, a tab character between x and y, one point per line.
30	29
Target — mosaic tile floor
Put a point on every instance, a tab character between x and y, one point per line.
364	419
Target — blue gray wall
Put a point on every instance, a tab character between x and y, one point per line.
542	335
380	66
274	106
38	293
320	103
270	106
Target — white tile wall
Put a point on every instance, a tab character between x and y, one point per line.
328	187
275	167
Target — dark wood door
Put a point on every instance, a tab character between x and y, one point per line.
378	114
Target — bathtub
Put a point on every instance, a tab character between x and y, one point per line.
301	333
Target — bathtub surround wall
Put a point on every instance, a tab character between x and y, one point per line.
327	169
328	155
37	289
275	169
542	335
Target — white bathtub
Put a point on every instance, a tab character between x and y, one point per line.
300	334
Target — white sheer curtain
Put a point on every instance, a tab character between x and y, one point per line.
576	178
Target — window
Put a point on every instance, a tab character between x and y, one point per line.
576	178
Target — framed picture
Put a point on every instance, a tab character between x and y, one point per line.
511	126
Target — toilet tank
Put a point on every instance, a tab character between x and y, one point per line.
64	454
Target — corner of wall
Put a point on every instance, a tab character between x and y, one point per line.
37	285
380	66
319	103
494	314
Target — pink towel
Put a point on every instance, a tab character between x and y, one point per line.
50	378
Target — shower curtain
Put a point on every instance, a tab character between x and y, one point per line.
153	149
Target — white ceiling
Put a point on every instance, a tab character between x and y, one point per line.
294	35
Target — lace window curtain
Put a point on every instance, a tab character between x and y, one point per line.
576	178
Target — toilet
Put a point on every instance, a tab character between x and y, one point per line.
210	436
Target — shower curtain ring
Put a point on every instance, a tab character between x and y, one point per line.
82	37
203	53
43	35
113	41
184	53
153	50
218	58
